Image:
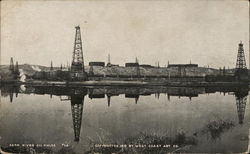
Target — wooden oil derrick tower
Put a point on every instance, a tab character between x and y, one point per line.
77	66
51	66
11	68
109	61
77	102
14	69
138	74
241	71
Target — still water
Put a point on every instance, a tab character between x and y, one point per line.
81	120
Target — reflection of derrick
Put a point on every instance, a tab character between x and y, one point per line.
109	98
241	99
241	106
11	96
157	95
77	102
13	90
109	94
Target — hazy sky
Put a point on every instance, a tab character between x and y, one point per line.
205	32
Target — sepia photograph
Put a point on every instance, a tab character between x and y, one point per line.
124	76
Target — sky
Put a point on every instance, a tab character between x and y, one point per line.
201	31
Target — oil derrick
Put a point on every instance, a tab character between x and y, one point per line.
138	74
77	102
241	62
109	63
11	65
51	66
16	71
224	71
77	66
241	99
241	71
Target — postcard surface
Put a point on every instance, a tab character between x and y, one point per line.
124	76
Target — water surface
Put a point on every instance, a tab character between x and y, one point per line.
74	119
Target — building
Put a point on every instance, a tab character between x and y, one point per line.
183	69
146	66
131	64
182	65
96	63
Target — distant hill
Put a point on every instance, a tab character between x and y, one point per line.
30	70
27	69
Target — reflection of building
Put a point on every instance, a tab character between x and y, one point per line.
77	102
135	96
96	94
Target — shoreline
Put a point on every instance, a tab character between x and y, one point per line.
123	83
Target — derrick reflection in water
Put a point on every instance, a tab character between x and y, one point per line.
241	100
77	95
77	102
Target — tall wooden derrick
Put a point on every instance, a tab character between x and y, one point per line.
11	68
241	71
109	61
138	73
77	66
14	70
